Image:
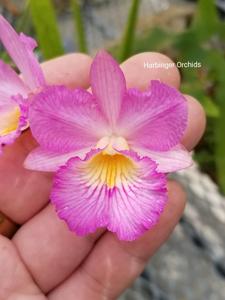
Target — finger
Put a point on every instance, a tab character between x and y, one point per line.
15	281
7	227
113	265
23	192
71	70
56	233
139	75
196	123
57	250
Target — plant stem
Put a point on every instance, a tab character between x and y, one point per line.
128	37
79	26
45	24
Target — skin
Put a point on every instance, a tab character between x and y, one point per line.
44	260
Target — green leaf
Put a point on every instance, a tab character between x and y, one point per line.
45	25
79	26
220	146
156	39
195	86
128	37
211	108
220	122
206	20
186	43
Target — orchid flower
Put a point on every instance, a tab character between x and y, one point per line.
15	90
110	150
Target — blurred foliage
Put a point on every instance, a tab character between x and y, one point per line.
205	41
128	36
43	15
45	25
79	26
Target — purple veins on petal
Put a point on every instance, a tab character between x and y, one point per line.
117	192
155	119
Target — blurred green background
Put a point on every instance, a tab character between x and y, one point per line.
182	30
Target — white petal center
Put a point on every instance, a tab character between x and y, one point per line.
112	144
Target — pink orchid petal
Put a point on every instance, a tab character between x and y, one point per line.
155	119
84	200
108	85
64	120
175	159
13	112
30	43
20	48
10	84
47	161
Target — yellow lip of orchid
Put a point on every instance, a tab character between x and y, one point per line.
112	170
9	121
109	166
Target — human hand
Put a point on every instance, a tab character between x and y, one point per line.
44	260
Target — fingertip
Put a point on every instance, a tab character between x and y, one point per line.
143	67
196	123
71	70
177	200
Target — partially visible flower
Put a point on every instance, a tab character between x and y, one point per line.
110	150
15	90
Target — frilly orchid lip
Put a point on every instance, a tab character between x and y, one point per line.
120	192
14	90
110	149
